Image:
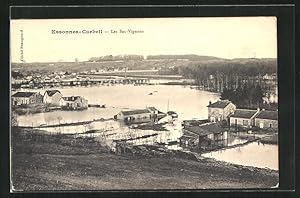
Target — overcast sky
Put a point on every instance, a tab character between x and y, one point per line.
225	37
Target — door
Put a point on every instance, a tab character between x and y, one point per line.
213	119
261	125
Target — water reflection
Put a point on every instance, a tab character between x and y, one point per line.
187	103
252	154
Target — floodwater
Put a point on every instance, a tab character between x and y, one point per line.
253	154
188	103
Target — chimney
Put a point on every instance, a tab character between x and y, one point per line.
258	109
210	102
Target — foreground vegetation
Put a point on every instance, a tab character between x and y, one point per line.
61	162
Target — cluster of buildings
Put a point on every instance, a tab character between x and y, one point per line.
47	80
224	110
211	134
52	98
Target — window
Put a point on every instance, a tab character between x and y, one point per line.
245	122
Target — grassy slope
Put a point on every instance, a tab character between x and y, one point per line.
61	165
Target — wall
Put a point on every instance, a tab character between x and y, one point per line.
54	100
34	99
220	114
266	123
215	114
240	122
228	110
142	116
20	100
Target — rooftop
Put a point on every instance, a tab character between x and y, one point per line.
206	129
266	114
23	94
152	108
243	113
219	104
52	92
137	111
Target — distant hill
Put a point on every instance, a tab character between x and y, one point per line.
87	66
152	62
116	58
191	57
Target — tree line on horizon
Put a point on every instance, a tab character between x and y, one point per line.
240	81
191	57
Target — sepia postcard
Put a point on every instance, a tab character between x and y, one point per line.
144	104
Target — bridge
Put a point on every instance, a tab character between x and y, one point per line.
86	82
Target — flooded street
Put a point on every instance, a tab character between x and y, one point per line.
253	154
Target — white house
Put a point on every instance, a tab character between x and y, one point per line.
53	97
220	110
74	103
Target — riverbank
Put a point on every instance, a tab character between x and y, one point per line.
30	109
60	162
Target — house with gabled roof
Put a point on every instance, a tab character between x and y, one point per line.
140	115
243	118
74	103
26	98
267	119
53	97
207	135
220	110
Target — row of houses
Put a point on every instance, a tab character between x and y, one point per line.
211	134
50	98
248	118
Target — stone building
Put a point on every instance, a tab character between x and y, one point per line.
26	98
266	119
243	118
220	110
